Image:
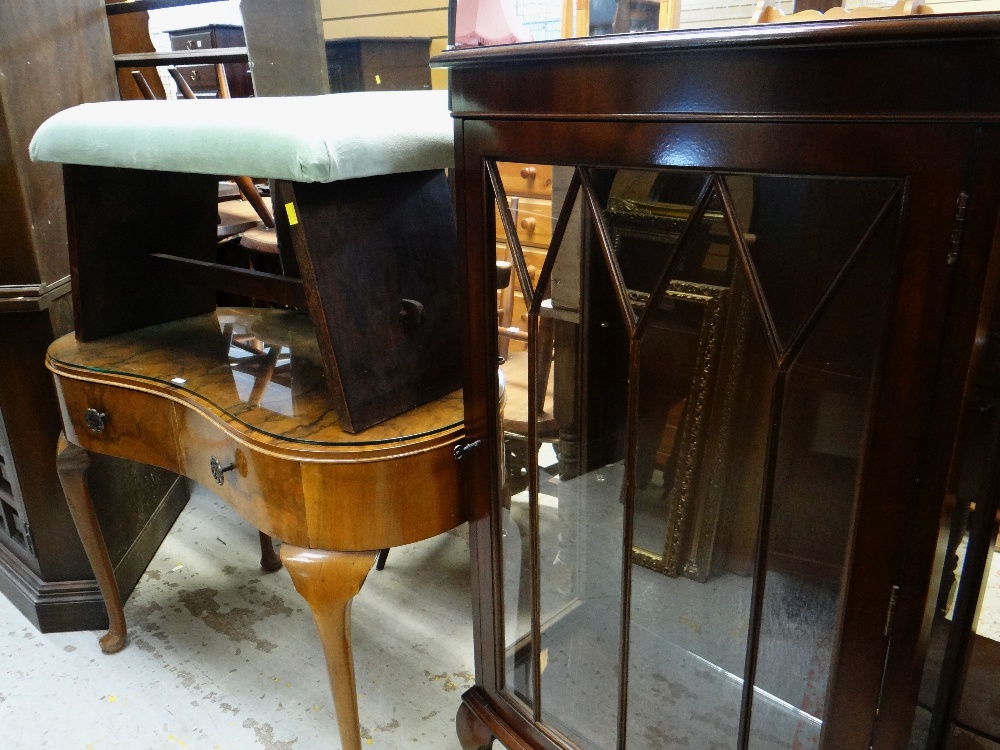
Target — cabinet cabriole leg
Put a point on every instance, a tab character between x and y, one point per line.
472	733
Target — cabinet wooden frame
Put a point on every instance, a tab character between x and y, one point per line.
696	108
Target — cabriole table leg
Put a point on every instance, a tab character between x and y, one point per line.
72	463
329	581
269	559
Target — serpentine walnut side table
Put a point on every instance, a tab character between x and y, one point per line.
236	399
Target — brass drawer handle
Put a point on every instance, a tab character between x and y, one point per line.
195	75
95	420
219	471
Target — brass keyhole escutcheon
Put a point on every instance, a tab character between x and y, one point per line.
95	420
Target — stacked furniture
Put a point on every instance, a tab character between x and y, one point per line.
204	79
331	419
286	48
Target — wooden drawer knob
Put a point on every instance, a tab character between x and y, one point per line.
528	224
95	420
219	470
528	173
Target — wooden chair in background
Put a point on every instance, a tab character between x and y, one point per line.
518	412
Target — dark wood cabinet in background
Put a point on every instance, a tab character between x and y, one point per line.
204	79
766	281
43	569
378	64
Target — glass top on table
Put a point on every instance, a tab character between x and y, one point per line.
260	367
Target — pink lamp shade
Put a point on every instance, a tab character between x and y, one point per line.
482	22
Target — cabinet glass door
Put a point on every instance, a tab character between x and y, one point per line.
690	363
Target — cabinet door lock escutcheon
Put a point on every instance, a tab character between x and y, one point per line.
461	450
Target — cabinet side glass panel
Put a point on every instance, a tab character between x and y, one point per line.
836	237
539	434
699	450
580	488
563	447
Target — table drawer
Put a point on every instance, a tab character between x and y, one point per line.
200	77
120	422
266	490
194	40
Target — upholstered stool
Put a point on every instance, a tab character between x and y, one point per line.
361	197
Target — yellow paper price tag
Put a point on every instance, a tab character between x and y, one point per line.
290	212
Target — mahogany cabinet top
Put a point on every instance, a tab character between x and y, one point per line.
937	67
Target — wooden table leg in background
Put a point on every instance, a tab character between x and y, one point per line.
269	559
329	581
72	463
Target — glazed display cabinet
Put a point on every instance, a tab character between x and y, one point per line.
711	492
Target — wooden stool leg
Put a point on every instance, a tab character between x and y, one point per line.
329	581
72	463
269	559
383	555
472	733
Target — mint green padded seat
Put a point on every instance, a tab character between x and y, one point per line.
364	217
296	138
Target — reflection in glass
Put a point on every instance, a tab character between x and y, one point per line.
691	588
565	491
260	367
580	486
671	299
829	330
262	371
515	518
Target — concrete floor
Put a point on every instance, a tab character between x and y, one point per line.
224	657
